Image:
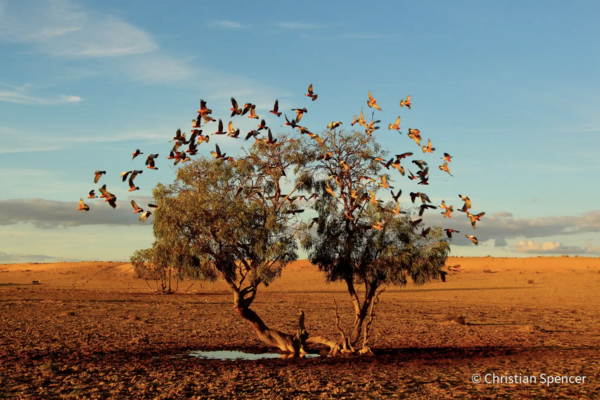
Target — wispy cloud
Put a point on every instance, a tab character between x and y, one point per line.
348	36
64	29
226	24
21	98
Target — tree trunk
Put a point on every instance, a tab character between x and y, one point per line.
362	309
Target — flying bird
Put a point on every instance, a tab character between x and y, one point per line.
405	102
396	125
253	112
135	173
449	232
97	175
372	102
136	153
425	232
92	195
447	157
82	206
235	110
136	209
428	148
415	135
445	168
275	109
217	153
423	207
203	110
475	218
397	195
424	198
473	239
150	161
334	124
220	131
311	94
144	216
262	125
467	203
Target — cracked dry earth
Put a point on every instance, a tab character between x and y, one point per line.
92	331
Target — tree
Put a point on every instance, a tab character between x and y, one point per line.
359	240
231	220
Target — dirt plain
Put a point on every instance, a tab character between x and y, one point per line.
91	330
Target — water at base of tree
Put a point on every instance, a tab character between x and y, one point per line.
240	355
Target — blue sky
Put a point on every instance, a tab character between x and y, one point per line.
510	89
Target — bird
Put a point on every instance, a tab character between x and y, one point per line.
420	163
405	102
467	203
136	153
447	157
311	94
247	107
217	153
354	121
253	112
230	129
395	126
108	197
220	131
411	176
136	209
424	198
396	164
291	123
443	275
449	232
179	137
396	196
416	222
92	195
384	183
203	110
135	173
254	133
379	226
475	218
262	125
270	139
423	207
403	155
325	156
415	135
124	175
448	211
150	161
372	102
82	206
235	110
299	113
425	232
275	109
445	168
474	239
152	205
362	121
333	124
428	148
97	175
144	216
397	209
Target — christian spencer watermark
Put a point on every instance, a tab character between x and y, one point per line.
542	379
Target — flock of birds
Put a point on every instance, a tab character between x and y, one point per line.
181	155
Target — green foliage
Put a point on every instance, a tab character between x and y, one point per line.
229	219
344	245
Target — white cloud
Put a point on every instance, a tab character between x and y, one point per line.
554	248
227	24
21	98
63	28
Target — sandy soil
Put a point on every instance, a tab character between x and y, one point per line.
91	330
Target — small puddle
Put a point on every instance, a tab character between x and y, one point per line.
240	355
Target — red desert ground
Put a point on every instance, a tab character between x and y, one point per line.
523	327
